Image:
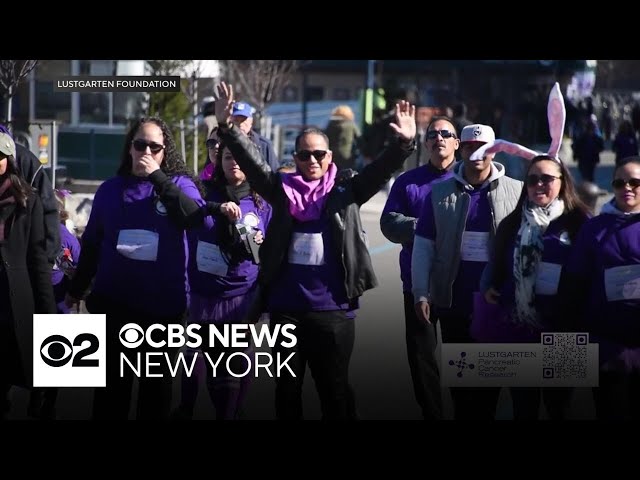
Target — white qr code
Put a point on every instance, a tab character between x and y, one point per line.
564	355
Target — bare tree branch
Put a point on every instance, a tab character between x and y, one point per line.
258	81
12	72
186	69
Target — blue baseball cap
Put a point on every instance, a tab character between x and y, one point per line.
241	108
4	129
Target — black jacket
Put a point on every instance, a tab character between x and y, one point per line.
342	207
34	173
28	274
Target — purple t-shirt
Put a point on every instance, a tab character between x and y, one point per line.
479	221
127	213
239	277
315	284
604	243
406	197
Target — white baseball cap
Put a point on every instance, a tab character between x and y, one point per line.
477	133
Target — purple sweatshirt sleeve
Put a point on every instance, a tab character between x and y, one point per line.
426	226
397	200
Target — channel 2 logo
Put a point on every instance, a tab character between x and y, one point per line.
57	350
69	350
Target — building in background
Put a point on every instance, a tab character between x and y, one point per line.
91	126
507	94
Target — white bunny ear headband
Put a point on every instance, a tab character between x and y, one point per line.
556	115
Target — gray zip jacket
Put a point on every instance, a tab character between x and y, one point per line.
434	265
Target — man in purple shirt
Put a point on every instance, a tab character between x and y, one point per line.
398	224
314	262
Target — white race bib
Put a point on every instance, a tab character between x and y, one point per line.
210	259
138	244
475	246
547	278
622	283
306	249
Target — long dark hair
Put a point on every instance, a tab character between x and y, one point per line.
574	208
19	188
568	194
220	182
172	164
226	235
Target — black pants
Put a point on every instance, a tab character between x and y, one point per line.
421	345
324	341
154	394
469	403
526	402
618	396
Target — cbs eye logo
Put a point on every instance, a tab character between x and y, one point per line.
131	335
57	350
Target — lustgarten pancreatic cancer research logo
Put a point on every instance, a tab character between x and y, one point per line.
461	364
558	360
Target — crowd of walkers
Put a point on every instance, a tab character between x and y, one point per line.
246	241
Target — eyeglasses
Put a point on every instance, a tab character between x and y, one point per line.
533	180
619	183
305	155
212	143
431	134
141	145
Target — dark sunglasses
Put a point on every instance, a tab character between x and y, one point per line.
619	183
431	134
212	143
533	180
305	155
141	146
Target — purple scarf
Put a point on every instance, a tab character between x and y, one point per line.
207	172
307	198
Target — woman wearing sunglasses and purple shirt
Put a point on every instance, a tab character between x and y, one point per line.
314	263
531	248
135	249
603	291
222	276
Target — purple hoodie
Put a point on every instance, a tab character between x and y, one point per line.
240	277
157	287
405	198
604	243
